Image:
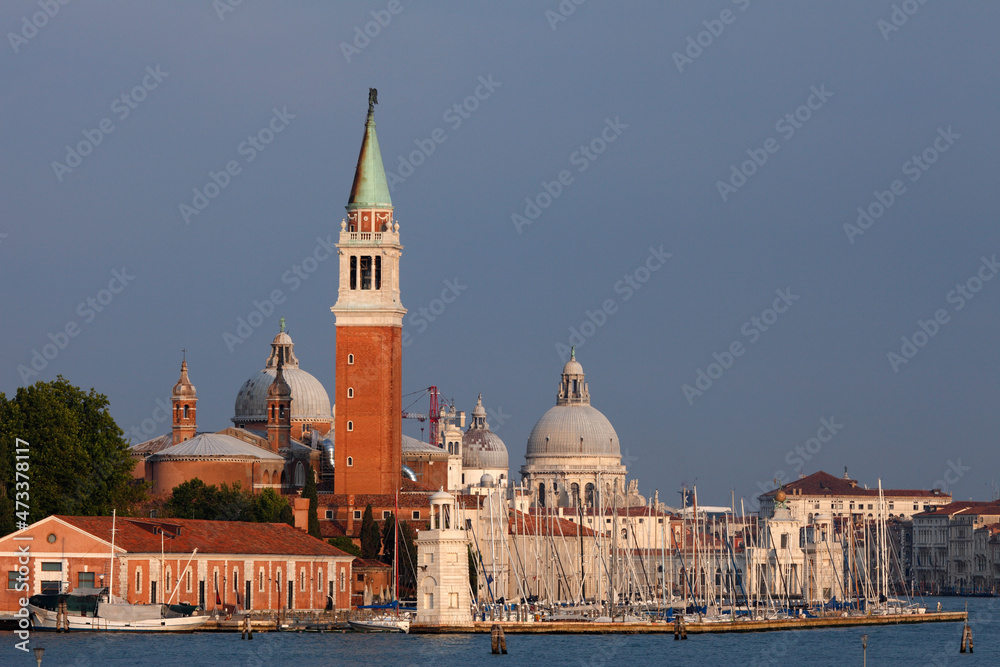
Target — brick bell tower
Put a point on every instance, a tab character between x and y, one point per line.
185	407
369	317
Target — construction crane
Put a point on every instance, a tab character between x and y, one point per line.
433	415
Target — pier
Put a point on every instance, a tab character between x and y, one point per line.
663	627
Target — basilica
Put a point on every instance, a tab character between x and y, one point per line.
284	423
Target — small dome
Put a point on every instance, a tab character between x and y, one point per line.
441	495
573	367
483	449
184	388
486	480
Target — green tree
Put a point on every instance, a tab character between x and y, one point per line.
388	538
78	459
195	500
370	539
310	492
269	506
344	543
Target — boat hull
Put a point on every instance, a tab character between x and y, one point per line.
44	619
390	625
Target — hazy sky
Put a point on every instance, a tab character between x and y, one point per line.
653	176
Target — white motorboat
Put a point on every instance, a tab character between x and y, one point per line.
382	624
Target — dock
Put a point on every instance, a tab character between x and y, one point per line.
663	627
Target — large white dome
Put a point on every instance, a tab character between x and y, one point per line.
310	402
573	430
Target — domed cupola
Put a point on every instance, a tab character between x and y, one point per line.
481	448
311	404
573	427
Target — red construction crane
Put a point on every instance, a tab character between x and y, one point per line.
433	415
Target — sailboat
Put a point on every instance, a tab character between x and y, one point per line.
387	622
99	609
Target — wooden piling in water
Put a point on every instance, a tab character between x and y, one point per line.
498	641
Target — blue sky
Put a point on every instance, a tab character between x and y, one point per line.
541	169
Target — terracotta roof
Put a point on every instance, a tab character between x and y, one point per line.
370	563
969	507
209	537
522	523
153	445
824	484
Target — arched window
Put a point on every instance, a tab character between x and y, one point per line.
186	413
350	461
300	474
541	495
350	426
282	477
574	491
350	360
281	412
589	494
350	392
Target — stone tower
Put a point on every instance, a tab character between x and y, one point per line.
443	567
185	402
369	319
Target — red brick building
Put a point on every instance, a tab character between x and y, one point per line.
251	565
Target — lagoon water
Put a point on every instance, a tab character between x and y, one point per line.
923	644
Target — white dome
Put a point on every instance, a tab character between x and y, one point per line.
573	430
310	401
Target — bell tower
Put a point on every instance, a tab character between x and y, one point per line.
185	401
369	319
279	410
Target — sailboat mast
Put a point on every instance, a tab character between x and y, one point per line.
111	582
395	554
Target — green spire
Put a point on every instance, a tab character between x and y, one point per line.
370	188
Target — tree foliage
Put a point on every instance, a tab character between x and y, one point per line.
196	500
310	492
78	460
370	539
345	543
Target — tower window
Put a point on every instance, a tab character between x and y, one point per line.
186	412
281	412
378	272
350	426
350	392
354	272
350	463
366	272
350	360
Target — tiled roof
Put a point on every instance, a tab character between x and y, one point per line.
971	507
369	563
521	523
152	445
216	444
824	484
209	537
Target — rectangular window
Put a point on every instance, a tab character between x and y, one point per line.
188	587
85	580
260	583
138	581
784	540
343	580
50	587
357	515
385	514
51	567
329	514
361	578
366	272
302	580
354	272
378	272
12	583
415	515
453	600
